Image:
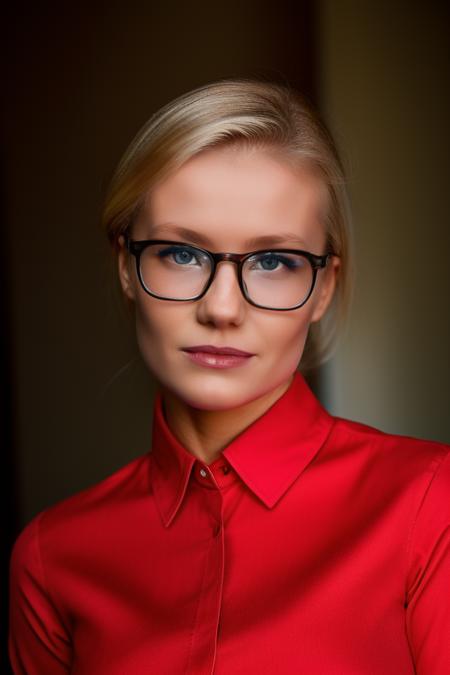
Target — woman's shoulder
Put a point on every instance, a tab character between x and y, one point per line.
89	509
401	459
353	433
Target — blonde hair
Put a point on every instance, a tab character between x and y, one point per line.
254	113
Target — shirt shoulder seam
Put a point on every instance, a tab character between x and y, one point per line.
43	571
433	468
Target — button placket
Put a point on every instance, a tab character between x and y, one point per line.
217	475
223	474
205	632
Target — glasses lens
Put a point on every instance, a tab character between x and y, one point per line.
176	272
278	280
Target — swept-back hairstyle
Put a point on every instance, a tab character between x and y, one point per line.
253	113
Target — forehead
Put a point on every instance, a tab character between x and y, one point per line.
230	196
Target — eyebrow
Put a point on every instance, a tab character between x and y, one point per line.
254	242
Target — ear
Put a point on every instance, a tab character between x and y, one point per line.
326	288
125	276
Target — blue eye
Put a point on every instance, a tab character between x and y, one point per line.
270	262
181	255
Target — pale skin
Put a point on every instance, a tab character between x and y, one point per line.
227	198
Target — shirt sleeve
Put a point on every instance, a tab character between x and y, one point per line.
428	592
38	641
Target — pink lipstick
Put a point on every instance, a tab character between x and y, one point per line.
217	357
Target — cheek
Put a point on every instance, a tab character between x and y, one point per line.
285	338
155	323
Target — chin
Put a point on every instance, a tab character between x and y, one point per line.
213	395
217	399
211	406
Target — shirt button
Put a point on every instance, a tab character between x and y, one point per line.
225	469
203	473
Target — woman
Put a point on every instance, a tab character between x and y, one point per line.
260	535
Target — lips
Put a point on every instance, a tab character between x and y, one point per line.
209	349
208	356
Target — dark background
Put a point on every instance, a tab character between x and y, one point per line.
80	80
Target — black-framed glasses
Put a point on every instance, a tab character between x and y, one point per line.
280	279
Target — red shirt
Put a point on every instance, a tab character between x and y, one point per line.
312	545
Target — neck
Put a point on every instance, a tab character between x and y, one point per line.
205	433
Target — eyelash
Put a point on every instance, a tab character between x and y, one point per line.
280	258
289	264
164	253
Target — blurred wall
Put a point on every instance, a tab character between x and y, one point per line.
82	78
81	81
384	74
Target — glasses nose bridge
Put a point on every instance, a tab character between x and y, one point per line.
227	257
235	258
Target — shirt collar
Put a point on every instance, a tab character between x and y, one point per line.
268	456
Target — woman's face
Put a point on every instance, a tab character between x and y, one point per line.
230	200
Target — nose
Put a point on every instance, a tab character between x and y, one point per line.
223	304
